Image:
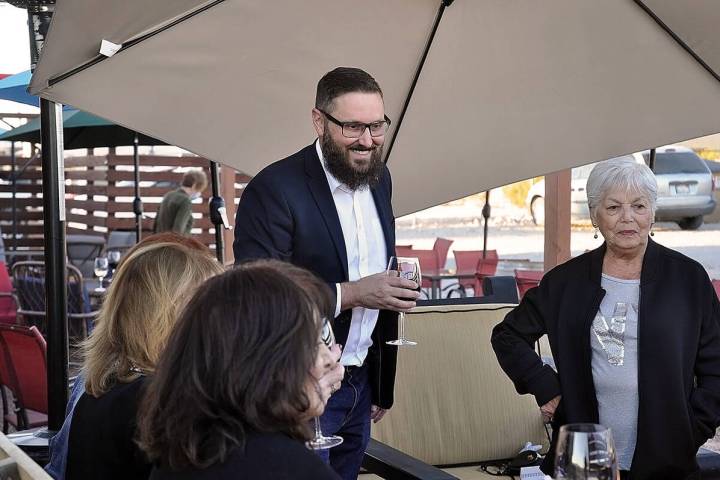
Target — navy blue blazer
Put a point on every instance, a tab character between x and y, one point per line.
287	212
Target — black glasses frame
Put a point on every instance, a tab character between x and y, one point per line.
366	126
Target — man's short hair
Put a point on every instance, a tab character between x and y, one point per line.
343	80
195	178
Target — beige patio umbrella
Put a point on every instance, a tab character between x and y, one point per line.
509	89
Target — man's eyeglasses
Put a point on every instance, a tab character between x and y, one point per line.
356	129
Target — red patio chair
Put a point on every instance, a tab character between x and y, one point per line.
441	249
486	267
469	262
527	279
403	250
8	306
716	284
24	352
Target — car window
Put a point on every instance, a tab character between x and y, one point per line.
582	172
678	162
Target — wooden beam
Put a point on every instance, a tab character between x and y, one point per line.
557	218
227	191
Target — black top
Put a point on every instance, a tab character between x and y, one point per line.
271	456
678	354
287	212
101	436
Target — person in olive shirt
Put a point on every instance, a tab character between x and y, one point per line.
175	212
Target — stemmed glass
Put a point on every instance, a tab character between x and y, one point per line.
320	441
408	268
101	270
113	260
585	451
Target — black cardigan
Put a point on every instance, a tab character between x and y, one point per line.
266	456
102	431
678	355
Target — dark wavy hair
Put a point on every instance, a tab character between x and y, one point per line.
340	81
238	362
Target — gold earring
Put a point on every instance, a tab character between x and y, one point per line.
595	236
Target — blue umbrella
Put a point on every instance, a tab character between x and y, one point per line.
14	88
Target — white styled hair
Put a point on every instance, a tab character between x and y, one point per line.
621	173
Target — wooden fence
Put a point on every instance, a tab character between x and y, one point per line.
99	192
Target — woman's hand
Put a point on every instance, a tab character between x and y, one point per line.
326	377
548	410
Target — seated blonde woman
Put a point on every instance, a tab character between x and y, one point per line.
152	284
241	378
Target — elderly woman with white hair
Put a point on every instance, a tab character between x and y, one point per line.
634	330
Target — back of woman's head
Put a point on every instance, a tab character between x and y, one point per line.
237	363
151	285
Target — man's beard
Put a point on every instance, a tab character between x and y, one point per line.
337	161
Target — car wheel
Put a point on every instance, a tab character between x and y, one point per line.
537	210
691	223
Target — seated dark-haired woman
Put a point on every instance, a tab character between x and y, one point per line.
241	378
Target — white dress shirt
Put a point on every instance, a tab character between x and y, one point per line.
366	255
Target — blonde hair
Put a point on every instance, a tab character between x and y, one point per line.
151	286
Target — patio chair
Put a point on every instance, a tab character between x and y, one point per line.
8	305
24	350
527	279
471	261
82	251
404	250
441	249
716	284
486	267
29	281
449	415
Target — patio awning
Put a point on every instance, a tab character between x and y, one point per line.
509	90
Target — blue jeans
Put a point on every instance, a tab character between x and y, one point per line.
347	414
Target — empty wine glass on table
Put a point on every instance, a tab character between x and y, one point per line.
101	270
585	451
320	441
409	269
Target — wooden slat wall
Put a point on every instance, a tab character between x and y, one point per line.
99	193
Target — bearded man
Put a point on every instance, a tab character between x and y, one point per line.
327	208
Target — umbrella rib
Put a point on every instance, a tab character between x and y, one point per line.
675	37
428	44
52	81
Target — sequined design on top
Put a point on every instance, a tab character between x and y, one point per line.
612	336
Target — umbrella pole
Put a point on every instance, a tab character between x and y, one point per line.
14	195
137	202
486	216
53	185
218	214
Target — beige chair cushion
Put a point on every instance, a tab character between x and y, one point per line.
453	403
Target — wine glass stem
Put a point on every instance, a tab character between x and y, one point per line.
318	432
401	326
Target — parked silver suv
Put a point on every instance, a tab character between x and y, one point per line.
685	188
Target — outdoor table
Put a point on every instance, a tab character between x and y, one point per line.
436	278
